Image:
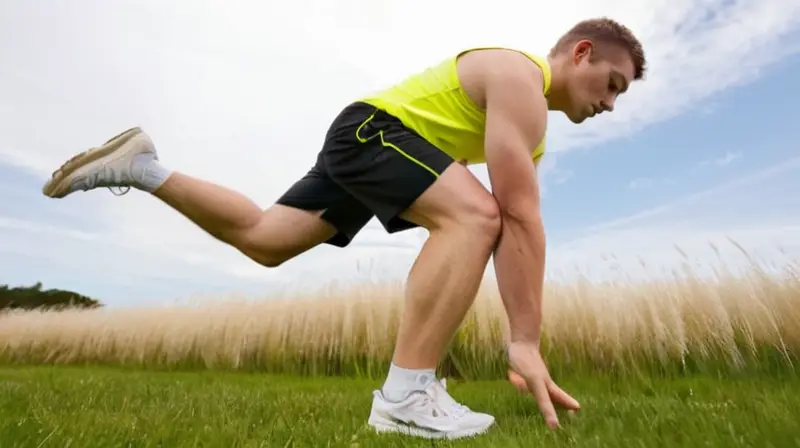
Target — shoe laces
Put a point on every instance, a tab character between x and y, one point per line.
437	394
123	190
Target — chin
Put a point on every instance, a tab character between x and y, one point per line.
577	119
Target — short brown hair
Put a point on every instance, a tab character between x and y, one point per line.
604	31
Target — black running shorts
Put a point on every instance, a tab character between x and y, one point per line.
370	165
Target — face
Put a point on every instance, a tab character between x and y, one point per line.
593	87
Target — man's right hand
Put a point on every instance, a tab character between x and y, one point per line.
526	361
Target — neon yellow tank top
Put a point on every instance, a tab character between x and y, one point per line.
434	104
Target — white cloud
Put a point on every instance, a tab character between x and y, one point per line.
728	158
641	183
241	93
724	160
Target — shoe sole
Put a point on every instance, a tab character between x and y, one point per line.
381	426
59	184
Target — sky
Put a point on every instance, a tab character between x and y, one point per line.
241	93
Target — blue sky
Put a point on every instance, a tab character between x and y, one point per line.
702	150
730	135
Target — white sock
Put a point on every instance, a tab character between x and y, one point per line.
400	382
148	173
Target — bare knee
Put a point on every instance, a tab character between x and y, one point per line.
258	245
481	217
281	234
272	261
458	201
265	258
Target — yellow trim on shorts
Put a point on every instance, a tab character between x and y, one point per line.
386	144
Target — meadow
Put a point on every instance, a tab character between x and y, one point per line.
686	361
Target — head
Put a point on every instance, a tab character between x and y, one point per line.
594	63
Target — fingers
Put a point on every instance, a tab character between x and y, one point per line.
517	381
558	396
539	389
562	398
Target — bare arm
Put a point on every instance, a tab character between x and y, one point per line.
515	124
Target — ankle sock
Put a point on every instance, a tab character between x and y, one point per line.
148	173
401	382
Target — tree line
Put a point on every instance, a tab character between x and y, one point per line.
36	298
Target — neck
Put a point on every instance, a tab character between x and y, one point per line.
557	99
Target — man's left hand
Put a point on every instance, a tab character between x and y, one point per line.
529	374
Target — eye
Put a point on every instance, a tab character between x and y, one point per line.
612	86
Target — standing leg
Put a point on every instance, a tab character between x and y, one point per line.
285	230
408	182
464	223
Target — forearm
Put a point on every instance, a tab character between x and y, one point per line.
519	265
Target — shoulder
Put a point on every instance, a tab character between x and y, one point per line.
505	63
516	104
516	78
492	70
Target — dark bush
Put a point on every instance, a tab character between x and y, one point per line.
35	298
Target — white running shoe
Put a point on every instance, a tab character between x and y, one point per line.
109	165
431	414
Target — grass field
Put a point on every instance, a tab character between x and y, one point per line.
112	407
684	362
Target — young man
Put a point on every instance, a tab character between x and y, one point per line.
392	156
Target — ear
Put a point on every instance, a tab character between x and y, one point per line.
582	50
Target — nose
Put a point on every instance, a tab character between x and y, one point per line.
608	104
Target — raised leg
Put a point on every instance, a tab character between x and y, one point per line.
129	160
269	237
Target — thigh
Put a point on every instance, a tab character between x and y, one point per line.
455	198
382	163
340	216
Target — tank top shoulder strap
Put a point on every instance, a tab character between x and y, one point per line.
547	74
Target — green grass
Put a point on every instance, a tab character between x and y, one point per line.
59	406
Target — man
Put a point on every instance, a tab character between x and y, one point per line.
391	156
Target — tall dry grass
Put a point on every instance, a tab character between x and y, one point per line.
686	324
